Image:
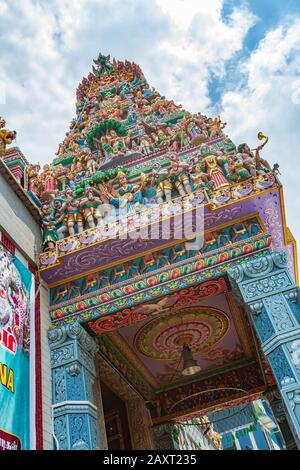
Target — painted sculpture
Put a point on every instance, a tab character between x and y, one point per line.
121	120
6	136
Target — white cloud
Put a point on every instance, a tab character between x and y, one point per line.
267	100
47	46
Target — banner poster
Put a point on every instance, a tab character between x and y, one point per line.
16	304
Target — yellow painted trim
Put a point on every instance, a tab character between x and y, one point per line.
162	247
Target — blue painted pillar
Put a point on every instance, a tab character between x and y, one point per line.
74	412
267	289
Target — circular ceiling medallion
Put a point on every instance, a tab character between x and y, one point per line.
198	327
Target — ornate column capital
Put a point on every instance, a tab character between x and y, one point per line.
60	335
255	280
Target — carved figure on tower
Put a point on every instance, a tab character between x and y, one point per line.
6	136
179	173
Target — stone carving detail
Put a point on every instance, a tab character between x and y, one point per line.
140	425
73	372
79	431
263	325
72	331
280	413
294	349
294	398
62	355
163	434
281	367
59	384
259	267
60	431
272	294
279	312
266	286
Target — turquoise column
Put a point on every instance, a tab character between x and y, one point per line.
75	424
267	289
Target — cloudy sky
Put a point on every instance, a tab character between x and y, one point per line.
237	58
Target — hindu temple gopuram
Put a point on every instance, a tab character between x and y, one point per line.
148	273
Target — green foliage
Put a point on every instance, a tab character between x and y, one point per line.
100	129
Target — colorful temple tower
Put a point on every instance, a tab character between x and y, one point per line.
172	274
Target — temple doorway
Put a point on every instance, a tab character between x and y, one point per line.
116	420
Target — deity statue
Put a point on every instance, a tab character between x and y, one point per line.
73	214
164	186
6	136
91	164
215	172
193	128
253	163
89	205
59	217
50	236
129	195
179	173
48	179
34	180
199	178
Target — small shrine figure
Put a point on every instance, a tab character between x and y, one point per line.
194	129
91	164
59	217
73	214
130	195
254	163
6	136
163	185
50	236
89	205
199	178
34	180
215	172
180	175
48	180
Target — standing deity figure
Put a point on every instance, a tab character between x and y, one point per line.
48	179
50	236
215	172
6	136
59	217
179	173
90	208
164	186
73	214
34	180
91	164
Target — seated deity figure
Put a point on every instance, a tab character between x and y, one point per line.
179	173
128	195
90	208
73	214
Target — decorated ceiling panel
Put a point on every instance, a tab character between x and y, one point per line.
207	327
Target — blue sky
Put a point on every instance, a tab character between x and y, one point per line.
237	58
